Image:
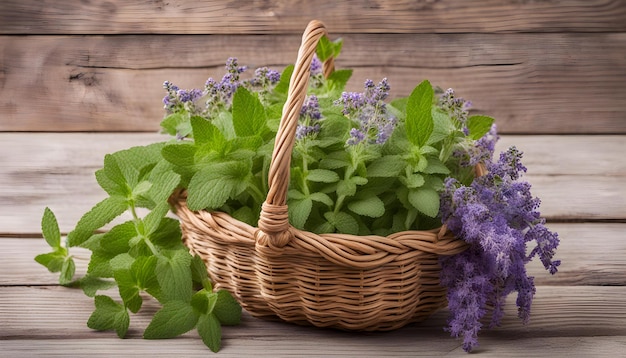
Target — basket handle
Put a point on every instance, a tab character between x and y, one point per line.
274	228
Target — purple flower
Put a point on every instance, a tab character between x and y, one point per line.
310	116
497	216
368	109
456	107
316	66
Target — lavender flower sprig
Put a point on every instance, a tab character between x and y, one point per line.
497	216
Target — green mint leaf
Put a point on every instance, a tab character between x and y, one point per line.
344	222
174	319
204	301
214	184
419	119
109	315
100	215
50	229
322	176
338	79
249	118
163	180
53	261
180	154
100	265
435	166
67	271
388	166
122	262
371	206
282	87
227	309
346	188
140	277
299	211
204	132
176	124
92	284
322	198
210	331
199	273
326	48
167	235
174	276
478	126
413	180
116	240
425	200
443	126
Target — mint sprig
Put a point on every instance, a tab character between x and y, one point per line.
142	257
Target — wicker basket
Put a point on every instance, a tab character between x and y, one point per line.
328	280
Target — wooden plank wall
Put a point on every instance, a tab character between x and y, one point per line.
536	66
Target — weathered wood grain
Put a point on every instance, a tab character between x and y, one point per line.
531	83
565	320
577	177
591	254
400	16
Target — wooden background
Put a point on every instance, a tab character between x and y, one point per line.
537	66
82	78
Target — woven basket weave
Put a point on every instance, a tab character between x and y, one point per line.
328	280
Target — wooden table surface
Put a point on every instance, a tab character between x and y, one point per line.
581	311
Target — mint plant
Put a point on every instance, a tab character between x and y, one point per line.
361	165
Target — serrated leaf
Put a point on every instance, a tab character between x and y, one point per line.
339	78
50	229
249	118
174	275
167	235
346	188
321	198
92	284
344	222
388	166
425	200
435	166
371	206
140	277
419	119
181	154
326	48
214	184
203	301
116	240
299	211
210	331
442	128
478	126
163	180
227	309
100	215
109	315
322	176
413	180
53	261
204	132
176	124
174	319
199	273
67	271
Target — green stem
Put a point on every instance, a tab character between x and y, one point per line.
139	227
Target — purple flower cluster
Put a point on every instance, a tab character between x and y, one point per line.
456	107
220	94
264	78
497	216
481	151
310	116
368	109
176	97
